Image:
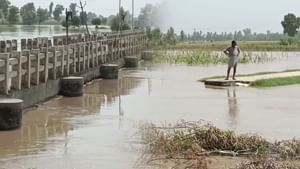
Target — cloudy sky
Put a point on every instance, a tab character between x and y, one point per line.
206	15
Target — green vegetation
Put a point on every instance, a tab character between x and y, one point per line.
96	22
28	14
291	24
248	40
13	15
205	57
169	41
195	141
283	81
58	10
216	46
157	39
123	15
42	15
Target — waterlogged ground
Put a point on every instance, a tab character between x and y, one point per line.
98	129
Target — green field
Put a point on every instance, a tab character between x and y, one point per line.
245	46
198	57
284	81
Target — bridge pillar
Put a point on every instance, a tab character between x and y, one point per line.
109	71
71	86
148	55
131	61
10	114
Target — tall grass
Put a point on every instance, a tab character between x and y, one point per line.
245	46
273	82
207	57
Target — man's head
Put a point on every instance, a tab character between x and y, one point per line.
233	43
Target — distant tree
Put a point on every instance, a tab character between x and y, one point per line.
13	15
156	34
75	21
96	22
182	36
171	36
51	9
290	24
42	14
28	14
104	20
58	11
4	5
114	24
73	8
247	33
110	18
91	16
119	22
83	18
155	37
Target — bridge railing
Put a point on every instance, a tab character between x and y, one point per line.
40	60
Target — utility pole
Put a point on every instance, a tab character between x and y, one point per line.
132	25
69	16
119	16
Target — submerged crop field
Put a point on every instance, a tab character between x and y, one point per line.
198	57
244	45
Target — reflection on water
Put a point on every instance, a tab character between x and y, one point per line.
8	32
233	109
97	130
51	123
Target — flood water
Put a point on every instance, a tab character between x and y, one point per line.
9	32
98	130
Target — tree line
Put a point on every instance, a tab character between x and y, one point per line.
241	35
28	14
290	34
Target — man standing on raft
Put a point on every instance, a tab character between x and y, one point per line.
233	53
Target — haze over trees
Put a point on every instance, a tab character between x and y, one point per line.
149	16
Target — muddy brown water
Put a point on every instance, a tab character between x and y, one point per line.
98	129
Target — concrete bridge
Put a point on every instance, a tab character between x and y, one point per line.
32	70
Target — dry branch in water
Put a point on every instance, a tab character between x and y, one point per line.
267	164
193	141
